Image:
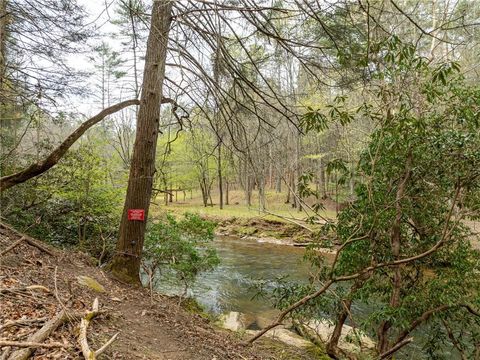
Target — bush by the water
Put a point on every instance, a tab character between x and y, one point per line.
181	246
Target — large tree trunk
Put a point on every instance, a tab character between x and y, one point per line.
126	262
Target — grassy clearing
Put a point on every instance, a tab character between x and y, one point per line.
275	204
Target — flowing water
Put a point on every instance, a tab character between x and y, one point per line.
245	265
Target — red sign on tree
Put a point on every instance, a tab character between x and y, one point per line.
136	214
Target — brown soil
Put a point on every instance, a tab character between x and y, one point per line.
158	329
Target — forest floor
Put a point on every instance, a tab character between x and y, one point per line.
35	286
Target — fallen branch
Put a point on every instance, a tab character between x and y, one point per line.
82	338
29	344
40	336
31	241
21	322
24	289
13	246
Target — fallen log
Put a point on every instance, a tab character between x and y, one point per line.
31	241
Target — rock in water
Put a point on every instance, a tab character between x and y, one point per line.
231	321
286	336
351	339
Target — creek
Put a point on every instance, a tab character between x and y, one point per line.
246	264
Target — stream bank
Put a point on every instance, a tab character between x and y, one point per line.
264	229
35	286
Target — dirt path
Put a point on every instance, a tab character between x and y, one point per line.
147	330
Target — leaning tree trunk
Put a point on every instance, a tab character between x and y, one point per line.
126	262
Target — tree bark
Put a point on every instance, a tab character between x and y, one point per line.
395	243
220	180
3	38
332	345
261	192
126	262
226	193
55	156
323	185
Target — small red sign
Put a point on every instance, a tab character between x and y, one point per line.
136	214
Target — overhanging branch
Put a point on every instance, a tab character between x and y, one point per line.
38	168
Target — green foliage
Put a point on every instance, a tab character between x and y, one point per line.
418	177
442	143
73	204
181	246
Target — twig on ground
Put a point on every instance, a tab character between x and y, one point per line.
21	322
24	289
13	246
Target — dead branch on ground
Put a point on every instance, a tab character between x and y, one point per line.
21	322
40	336
82	338
31	241
29	344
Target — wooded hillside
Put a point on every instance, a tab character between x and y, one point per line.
131	130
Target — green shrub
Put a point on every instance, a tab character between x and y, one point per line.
181	246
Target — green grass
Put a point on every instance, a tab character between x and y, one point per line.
275	204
